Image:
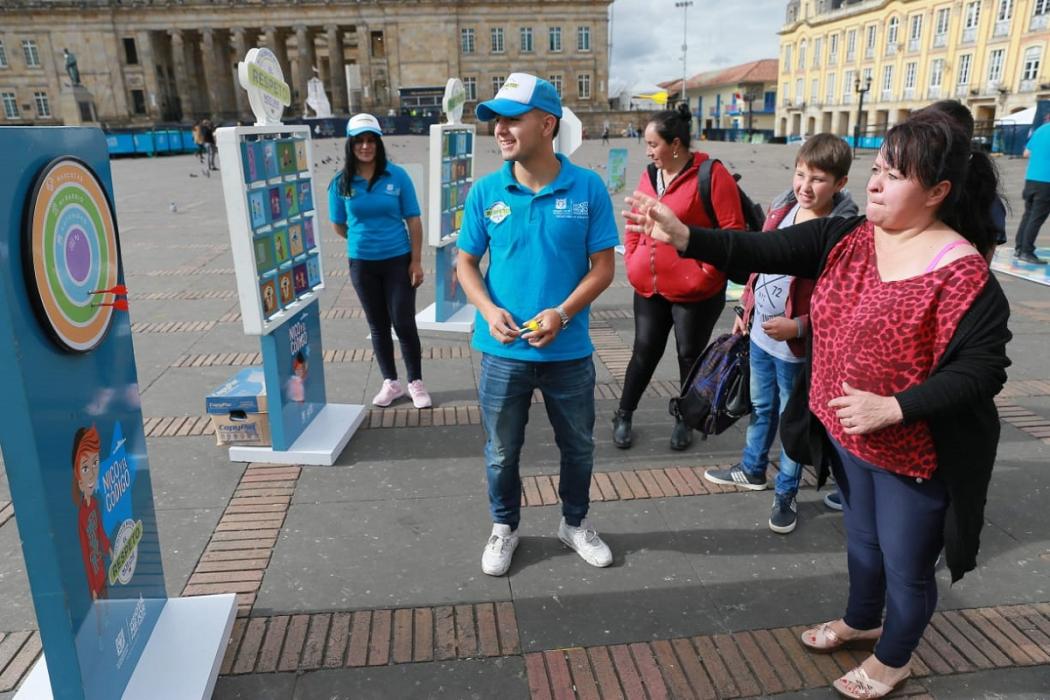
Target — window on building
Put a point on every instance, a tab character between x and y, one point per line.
138	102
526	39
32	55
851	44
871	35
3	55
971	18
1040	14
583	86
378	46
43	105
891	32
554	39
787	58
497	39
802	55
887	81
466	40
1030	66
818	45
785	91
963	73
995	65
847	86
914	32
833	49
911	70
936	72
940	26
814	90
10	101
497	83
470	87
131	52
1005	11
583	38
829	88
865	77
799	91
555	80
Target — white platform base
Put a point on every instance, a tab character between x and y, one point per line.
321	443
181	659
461	322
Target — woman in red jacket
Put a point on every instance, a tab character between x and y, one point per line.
671	291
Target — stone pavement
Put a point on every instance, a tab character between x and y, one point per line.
363	580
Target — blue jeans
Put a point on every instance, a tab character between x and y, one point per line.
505	393
894	532
772	380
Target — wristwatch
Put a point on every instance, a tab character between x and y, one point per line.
564	316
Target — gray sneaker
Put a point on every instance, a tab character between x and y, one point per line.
735	476
784	515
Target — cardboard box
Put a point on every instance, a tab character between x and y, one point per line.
238	409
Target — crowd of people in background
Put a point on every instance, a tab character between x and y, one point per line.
877	340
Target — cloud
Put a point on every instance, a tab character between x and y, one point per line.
647	42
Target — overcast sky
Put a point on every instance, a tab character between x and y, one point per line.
647	36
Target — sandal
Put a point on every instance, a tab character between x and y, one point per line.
857	684
825	640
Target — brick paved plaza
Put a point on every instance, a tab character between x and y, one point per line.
363	580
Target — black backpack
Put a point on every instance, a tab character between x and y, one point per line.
754	217
717	391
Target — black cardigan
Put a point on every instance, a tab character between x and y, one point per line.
956	400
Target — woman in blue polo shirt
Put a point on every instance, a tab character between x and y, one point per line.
372	204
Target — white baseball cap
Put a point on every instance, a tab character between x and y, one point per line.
360	123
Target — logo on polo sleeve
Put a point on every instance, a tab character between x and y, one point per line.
497	212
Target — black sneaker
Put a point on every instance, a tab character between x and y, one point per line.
784	516
1030	258
833	500
736	476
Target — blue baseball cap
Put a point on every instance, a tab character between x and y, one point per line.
520	93
360	123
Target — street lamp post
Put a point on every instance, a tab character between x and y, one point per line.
749	97
860	108
685	5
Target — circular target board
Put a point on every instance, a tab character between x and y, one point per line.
71	254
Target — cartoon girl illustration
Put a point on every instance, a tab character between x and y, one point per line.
269	298
275	203
94	544
297	382
286	288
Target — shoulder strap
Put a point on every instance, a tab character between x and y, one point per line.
703	187
944	251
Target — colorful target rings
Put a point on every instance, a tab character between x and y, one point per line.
71	254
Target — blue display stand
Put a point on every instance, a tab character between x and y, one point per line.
73	442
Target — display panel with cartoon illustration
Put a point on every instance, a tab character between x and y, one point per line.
71	427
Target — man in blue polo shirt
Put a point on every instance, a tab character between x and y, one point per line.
1036	194
549	230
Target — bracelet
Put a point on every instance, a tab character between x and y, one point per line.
798	322
564	316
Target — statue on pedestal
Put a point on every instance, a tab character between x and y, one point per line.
71	66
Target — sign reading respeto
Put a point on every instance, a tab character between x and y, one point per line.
261	76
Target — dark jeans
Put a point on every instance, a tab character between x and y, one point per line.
505	393
894	533
388	298
1036	197
654	317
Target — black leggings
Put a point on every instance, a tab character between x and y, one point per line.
388	297
653	319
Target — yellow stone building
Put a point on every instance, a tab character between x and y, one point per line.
147	61
988	54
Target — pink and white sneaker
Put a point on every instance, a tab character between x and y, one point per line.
419	394
391	390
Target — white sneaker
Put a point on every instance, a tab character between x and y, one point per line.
420	395
499	550
391	390
586	542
